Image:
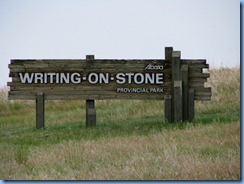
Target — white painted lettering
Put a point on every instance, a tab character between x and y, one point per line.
159	78
75	78
129	75
93	78
154	67
139	78
26	78
120	78
103	78
38	76
51	75
64	78
57	78
149	78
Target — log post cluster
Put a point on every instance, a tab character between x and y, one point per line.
179	106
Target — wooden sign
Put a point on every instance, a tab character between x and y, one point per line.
176	81
90	79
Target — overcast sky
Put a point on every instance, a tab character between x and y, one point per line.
119	29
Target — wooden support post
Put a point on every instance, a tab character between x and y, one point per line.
168	53
40	110
176	73
178	115
168	108
191	98
90	105
184	71
176	87
168	111
90	113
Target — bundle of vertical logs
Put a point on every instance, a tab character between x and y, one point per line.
188	80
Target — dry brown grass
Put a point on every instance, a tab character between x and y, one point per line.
225	83
197	153
4	95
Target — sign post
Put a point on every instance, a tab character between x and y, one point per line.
90	105
40	110
176	81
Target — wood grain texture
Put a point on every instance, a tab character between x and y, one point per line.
84	90
184	72
40	110
178	101
191	107
168	108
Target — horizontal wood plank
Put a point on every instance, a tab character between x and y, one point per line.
100	97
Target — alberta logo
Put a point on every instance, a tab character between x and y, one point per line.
154	67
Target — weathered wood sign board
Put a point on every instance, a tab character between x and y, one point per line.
90	79
94	79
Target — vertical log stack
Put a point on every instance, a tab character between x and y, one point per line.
187	85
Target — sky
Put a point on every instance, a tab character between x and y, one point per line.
119	29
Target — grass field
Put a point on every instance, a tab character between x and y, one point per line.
130	141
